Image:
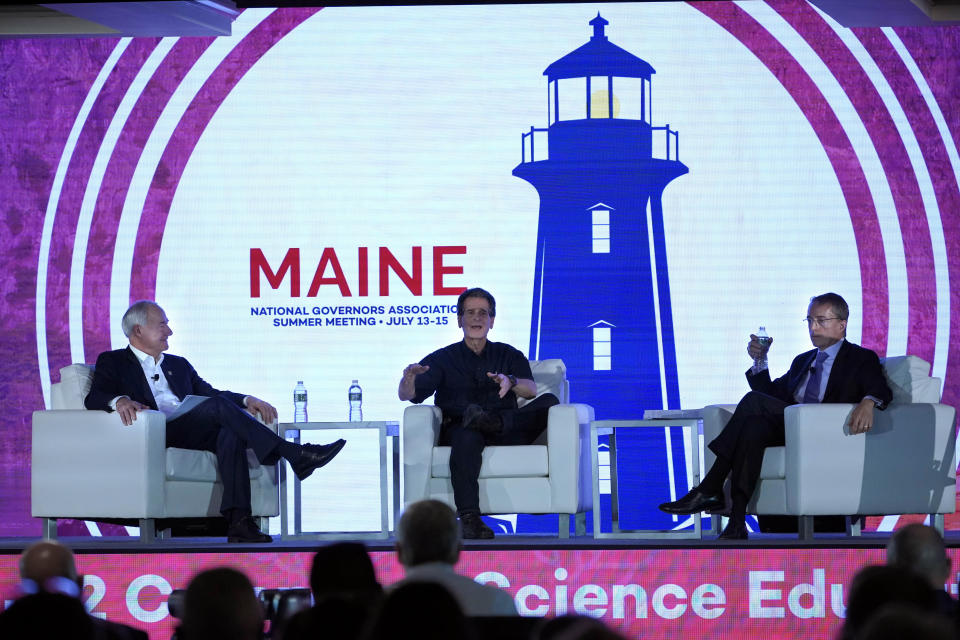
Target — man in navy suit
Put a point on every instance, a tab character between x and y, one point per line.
836	371
141	377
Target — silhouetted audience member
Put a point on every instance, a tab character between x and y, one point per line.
575	627
428	546
346	595
876	587
220	604
920	548
47	616
48	568
897	622
421	610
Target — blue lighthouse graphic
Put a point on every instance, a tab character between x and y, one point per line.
601	294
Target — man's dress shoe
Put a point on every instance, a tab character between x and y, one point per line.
472	527
315	456
246	530
694	502
735	530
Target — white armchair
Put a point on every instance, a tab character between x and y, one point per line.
904	464
550	476
88	465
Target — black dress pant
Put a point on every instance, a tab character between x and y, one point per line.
756	424
219	425
520	426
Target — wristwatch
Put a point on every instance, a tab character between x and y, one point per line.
513	380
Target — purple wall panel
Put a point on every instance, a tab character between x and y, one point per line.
29	153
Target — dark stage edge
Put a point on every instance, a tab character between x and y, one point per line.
505	543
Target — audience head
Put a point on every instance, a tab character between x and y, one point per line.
428	531
895	622
220	604
49	566
876	587
343	569
920	548
476	292
422	610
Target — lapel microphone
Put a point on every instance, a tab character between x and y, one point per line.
156	377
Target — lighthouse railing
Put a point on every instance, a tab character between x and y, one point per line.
670	142
528	141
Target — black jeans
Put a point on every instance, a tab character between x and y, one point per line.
520	426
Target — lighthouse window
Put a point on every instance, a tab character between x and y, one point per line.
601	230
629	96
571	99
602	358
600	98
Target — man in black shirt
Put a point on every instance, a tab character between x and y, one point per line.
477	383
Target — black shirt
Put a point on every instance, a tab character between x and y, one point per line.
459	377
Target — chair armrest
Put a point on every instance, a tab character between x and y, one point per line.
568	457
421	431
904	464
87	464
715	418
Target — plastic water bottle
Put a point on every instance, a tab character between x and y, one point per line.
764	340
355	395
300	402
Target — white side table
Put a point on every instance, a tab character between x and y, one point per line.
609	427
386	430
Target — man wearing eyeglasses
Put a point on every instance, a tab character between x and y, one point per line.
477	383
836	371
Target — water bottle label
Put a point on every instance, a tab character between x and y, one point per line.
300	397
355	397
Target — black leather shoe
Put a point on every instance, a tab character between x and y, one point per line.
473	527
735	530
694	502
474	417
246	530
315	456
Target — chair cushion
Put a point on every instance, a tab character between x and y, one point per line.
909	379
774	463
200	466
515	461
75	381
550	376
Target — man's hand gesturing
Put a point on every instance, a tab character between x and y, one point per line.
407	388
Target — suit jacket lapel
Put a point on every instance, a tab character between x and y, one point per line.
797	376
173	381
140	380
837	372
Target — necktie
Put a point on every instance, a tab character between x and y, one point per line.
812	392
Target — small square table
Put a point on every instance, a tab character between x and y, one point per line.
609	427
386	430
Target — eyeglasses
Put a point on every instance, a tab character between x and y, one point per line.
822	322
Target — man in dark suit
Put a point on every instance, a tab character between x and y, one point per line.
142	377
836	371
